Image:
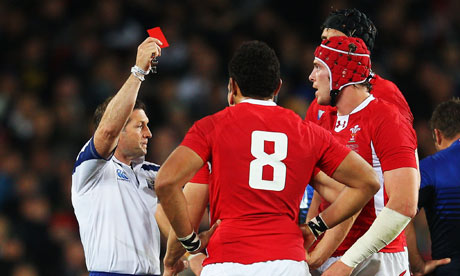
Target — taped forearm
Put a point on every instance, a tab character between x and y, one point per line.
386	227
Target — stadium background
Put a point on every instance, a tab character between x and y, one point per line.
61	58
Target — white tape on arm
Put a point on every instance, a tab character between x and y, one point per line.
386	227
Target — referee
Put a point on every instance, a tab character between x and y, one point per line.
112	186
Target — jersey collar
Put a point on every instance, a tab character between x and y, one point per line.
259	102
134	163
362	105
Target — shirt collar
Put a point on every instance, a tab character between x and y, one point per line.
259	102
362	105
134	162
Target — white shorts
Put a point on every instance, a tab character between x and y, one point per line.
270	268
378	264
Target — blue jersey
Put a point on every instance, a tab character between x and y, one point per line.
440	196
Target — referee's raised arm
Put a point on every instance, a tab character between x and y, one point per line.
121	105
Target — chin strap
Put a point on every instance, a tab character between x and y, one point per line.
334	93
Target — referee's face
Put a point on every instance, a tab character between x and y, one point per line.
135	136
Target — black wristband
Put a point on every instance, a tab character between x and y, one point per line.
317	226
191	243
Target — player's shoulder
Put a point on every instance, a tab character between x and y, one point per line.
209	122
383	108
441	157
380	84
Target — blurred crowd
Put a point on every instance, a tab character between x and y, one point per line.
61	58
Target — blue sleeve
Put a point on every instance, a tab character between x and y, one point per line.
88	168
427	185
87	153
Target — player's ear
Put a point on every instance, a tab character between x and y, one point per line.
233	86
278	88
231	92
438	137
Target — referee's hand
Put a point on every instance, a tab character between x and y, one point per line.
148	50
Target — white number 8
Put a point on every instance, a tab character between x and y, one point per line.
280	141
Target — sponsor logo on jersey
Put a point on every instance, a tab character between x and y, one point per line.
122	175
341	124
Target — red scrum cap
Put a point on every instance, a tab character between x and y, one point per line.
347	60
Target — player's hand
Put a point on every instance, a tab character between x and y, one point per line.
148	50
430	266
313	261
205	236
179	266
338	269
196	263
308	237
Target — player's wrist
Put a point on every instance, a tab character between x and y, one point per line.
385	228
317	226
191	242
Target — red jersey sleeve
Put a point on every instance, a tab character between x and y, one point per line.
197	138
331	152
202	176
394	140
312	112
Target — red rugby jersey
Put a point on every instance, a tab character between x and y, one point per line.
382	136
381	89
262	157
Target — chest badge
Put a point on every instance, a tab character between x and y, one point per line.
354	130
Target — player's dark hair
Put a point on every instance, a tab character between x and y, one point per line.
352	23
256	69
446	118
103	106
366	84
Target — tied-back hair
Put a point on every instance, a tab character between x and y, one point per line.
446	118
256	70
103	106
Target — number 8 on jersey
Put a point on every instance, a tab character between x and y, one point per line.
280	141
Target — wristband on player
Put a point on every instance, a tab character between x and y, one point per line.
317	226
190	256
139	73
385	228
191	242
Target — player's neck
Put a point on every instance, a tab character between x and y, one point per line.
445	143
242	98
350	97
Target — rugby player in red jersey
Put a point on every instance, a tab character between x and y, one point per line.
262	157
377	131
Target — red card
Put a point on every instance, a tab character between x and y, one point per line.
158	34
